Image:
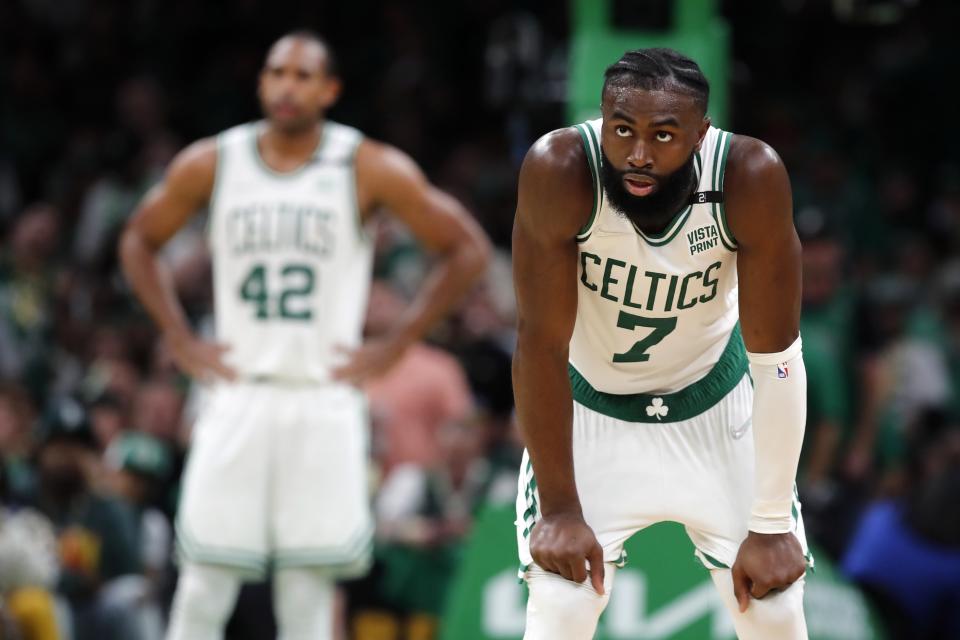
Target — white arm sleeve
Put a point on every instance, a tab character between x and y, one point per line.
779	419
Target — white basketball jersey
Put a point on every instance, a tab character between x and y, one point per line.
655	312
291	263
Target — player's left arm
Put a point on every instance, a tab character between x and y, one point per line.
389	179
758	205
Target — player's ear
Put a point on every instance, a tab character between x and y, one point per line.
331	91
260	81
704	127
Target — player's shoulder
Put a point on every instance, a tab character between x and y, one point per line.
380	162
750	162
340	142
756	190
196	164
557	154
556	187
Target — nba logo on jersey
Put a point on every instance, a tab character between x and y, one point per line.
782	370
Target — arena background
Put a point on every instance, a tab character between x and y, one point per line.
95	98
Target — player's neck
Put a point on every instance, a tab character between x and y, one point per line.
292	143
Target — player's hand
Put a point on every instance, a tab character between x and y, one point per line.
199	359
765	563
371	360
562	542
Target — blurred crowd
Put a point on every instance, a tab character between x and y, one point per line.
96	97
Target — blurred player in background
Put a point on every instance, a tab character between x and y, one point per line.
277	471
644	241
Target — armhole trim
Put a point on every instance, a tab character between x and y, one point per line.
362	234
212	202
592	148
719	167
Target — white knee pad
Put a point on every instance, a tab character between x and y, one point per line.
777	615
558	609
204	600
303	601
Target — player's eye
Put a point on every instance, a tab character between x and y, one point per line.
663	136
622	131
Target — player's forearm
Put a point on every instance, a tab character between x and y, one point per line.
152	284
779	420
545	413
446	284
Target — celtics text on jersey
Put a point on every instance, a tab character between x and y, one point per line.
291	263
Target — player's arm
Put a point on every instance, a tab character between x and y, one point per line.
167	207
553	202
760	214
388	178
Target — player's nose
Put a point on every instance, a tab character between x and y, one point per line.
640	157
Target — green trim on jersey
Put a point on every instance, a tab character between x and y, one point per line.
680	219
668	234
212	203
249	563
719	169
351	559
592	149
260	162
709	558
354	193
531	514
684	404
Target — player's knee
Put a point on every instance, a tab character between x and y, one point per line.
778	615
206	594
303	600
558	609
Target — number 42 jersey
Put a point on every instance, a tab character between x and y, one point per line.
291	263
655	313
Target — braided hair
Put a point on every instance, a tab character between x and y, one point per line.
658	69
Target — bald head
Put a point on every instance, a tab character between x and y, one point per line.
313	45
298	82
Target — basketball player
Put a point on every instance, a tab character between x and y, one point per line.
649	247
276	475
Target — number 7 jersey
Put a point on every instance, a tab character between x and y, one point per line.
655	313
291	262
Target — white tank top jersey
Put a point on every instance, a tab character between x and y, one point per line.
656	312
291	262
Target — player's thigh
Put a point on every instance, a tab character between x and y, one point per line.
777	615
616	466
320	491
559	609
224	496
710	478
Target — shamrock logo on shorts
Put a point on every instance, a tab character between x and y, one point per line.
657	408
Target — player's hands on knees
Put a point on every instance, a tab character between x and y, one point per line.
766	562
561	542
199	359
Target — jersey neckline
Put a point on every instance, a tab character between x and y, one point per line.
258	127
680	217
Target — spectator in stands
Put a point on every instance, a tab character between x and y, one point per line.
906	552
139	465
423	516
96	533
28	572
16	418
27	283
424	390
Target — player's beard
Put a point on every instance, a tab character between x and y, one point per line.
672	194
